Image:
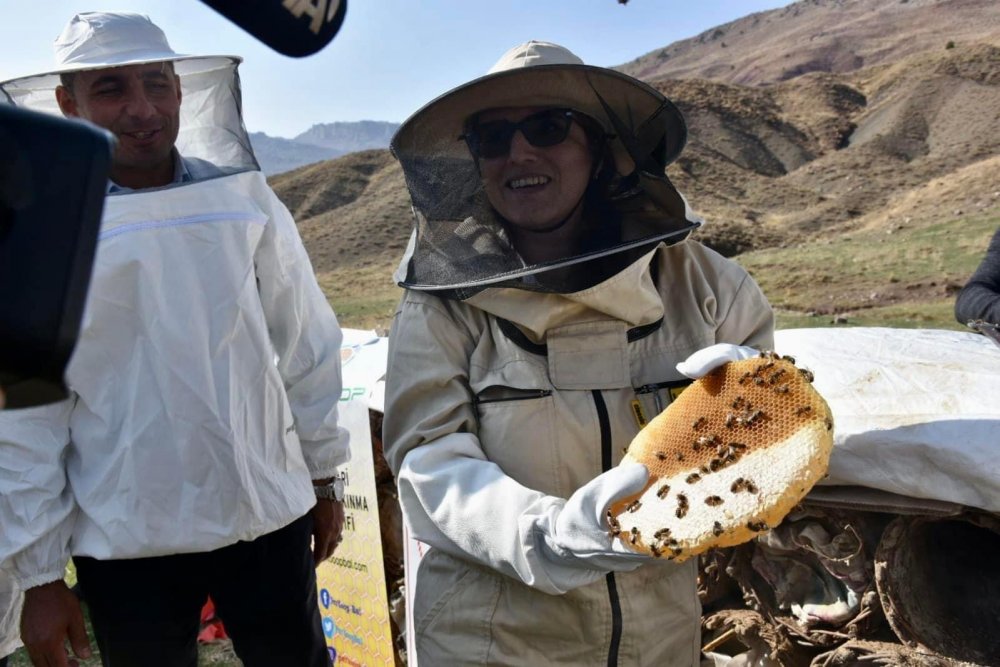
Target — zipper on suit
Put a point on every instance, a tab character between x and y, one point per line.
524	395
616	607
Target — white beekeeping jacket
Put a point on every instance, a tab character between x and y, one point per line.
11	600
203	390
205	383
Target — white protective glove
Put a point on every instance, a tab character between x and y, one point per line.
707	359
579	534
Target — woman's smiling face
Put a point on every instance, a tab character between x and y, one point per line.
536	188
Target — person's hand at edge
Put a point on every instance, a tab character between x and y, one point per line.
51	615
328	524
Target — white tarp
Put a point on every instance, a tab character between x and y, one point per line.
916	411
364	357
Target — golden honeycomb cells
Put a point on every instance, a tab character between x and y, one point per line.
728	459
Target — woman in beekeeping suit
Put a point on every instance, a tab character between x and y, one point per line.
551	291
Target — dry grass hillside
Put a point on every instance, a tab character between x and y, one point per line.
813	154
354	217
802	180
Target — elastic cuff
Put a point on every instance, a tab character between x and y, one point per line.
24	583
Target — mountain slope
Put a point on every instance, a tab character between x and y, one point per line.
348	137
277	155
820	36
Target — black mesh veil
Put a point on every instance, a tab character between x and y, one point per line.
460	244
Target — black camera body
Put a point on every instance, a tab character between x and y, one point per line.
53	179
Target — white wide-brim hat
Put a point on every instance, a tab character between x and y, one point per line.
642	121
99	40
460	242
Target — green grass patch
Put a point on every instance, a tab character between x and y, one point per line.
907	278
362	313
362	297
932	315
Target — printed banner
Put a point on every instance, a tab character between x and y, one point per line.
352	594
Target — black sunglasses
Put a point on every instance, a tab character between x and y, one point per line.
542	129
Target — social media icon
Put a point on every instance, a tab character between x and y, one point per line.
324	598
328	626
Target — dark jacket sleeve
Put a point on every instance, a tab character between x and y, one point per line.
980	298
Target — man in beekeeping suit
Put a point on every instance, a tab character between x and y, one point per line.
198	452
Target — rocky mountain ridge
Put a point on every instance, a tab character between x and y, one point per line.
322	141
350	136
834	36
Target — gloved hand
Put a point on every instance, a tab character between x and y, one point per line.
580	531
705	360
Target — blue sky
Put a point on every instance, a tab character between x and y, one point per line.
390	56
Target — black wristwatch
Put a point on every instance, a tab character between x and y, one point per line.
332	491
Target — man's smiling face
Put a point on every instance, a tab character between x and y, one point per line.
535	188
140	105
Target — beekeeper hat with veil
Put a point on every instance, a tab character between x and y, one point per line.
211	119
460	244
